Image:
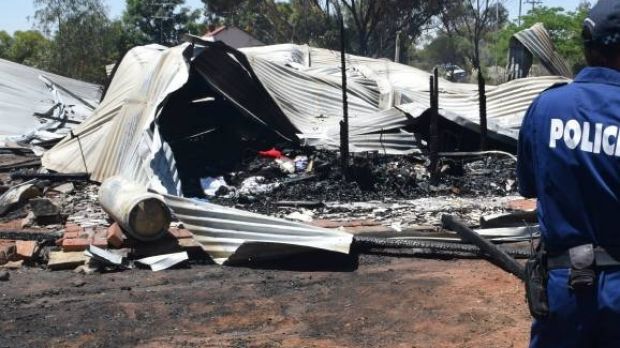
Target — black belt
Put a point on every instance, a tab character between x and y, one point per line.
602	258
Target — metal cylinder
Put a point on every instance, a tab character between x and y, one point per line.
141	214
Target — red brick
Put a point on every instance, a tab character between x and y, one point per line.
71	235
73	228
341	223
101	233
26	249
116	237
179	233
99	242
75	244
522	204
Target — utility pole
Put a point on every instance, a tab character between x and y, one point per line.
520	7
534	3
162	6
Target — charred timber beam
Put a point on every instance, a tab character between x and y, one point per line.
51	176
377	244
434	127
495	253
30	235
301	204
31	163
482	102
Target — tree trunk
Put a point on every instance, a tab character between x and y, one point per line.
363	42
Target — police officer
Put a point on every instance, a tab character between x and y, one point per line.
569	158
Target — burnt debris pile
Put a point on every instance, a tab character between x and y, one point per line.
264	182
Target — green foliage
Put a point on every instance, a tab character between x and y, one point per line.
456	44
564	29
25	47
371	25
81	34
159	21
5	44
444	49
473	21
297	21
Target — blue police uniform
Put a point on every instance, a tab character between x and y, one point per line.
569	158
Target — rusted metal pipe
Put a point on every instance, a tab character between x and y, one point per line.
141	214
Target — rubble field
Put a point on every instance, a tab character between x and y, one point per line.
385	302
310	300
217	197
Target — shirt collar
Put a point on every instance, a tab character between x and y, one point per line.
598	75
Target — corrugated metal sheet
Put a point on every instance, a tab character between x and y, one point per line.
538	42
316	108
25	91
120	137
222	231
506	106
304	84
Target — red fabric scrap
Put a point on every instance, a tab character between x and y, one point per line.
271	153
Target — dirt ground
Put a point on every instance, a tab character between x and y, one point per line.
383	302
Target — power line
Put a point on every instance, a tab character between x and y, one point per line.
534	3
162	9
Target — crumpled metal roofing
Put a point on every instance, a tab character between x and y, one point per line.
222	231
295	90
379	88
25	91
537	41
120	137
506	106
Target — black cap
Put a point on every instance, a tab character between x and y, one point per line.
603	22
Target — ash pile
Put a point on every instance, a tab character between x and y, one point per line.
390	190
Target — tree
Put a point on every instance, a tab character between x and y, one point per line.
25	47
412	22
83	38
372	24
377	22
473	20
443	50
298	21
5	43
159	21
563	27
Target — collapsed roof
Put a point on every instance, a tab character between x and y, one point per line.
169	110
37	106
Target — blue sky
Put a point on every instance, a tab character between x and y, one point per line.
17	14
